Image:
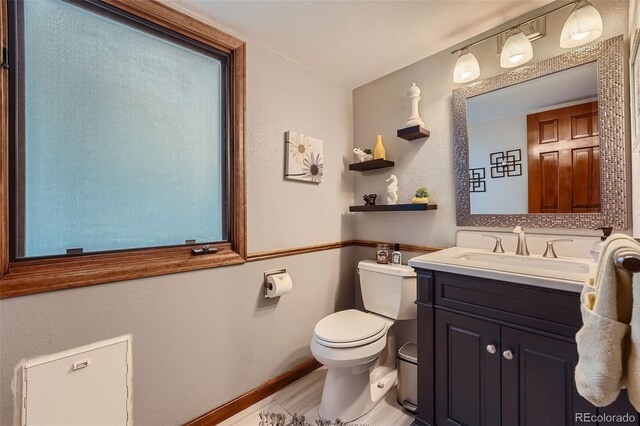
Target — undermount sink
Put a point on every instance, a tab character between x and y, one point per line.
563	273
498	261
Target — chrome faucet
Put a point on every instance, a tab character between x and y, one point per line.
522	249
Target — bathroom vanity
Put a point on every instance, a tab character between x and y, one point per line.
497	346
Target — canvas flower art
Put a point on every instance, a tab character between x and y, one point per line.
304	160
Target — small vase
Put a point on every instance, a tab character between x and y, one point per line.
378	151
420	200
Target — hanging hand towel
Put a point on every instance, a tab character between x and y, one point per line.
603	341
633	368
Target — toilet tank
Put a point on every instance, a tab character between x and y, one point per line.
388	290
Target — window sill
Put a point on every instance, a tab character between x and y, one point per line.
38	276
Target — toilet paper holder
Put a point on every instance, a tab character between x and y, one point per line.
265	285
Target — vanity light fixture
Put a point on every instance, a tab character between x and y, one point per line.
583	25
467	68
517	50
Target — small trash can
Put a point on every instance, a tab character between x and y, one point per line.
408	376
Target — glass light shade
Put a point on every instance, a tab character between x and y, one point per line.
467	68
517	50
583	25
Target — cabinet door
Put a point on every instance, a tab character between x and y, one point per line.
538	385
426	399
467	373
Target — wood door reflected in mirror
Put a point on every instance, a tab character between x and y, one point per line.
536	124
564	160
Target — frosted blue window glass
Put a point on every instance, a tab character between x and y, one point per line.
123	135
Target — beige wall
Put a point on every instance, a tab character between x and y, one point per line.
380	107
201	338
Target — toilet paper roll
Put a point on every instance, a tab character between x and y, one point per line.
278	284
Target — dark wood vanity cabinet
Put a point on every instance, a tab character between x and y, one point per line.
496	353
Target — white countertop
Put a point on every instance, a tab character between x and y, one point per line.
564	273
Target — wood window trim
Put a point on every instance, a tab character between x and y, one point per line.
24	277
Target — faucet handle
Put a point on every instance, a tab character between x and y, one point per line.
550	252
498	247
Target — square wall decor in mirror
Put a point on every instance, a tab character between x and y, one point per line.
548	141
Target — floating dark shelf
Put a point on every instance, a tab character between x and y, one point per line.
413	132
394	208
370	165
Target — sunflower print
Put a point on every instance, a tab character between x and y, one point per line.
313	168
299	147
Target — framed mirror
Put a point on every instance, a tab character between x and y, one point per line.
544	145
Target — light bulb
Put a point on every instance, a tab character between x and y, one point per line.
583	25
517	50
467	68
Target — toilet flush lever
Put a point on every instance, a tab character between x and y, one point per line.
78	365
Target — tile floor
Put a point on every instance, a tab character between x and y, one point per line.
303	397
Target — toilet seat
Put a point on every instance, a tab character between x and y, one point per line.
349	328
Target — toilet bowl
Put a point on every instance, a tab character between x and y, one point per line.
349	343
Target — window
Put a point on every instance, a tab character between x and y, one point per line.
124	145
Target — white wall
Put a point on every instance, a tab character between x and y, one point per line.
502	134
201	338
380	107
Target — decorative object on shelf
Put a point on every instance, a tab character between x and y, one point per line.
371	165
363	155
382	253
304	160
414	97
505	164
392	190
477	181
378	151
422	196
583	26
370	199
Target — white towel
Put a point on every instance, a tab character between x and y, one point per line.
604	339
633	367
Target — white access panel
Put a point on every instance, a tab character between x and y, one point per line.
84	386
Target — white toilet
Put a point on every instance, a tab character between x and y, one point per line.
349	342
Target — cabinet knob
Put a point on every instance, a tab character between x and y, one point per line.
491	349
508	355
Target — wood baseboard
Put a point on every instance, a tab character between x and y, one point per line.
241	402
271	254
403	247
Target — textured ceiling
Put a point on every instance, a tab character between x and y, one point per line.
355	42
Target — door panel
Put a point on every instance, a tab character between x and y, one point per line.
564	168
467	376
549	181
426	406
580	126
548	131
537	384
